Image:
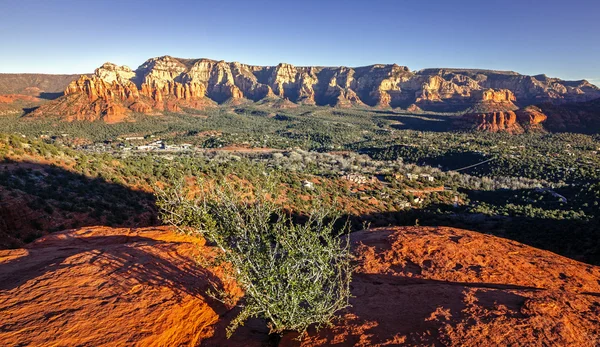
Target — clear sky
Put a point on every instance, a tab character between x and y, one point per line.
558	38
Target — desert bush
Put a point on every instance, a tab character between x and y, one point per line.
294	274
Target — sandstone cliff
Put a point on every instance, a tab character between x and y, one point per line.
514	122
172	84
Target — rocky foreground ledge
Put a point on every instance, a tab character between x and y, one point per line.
416	286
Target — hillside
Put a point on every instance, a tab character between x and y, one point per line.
46	86
418	286
21	93
581	117
165	83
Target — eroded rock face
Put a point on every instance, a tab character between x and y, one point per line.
531	117
495	111
93	98
167	83
503	95
528	90
494	122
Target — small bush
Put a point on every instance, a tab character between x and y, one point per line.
294	275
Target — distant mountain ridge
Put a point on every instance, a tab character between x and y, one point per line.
168	84
34	84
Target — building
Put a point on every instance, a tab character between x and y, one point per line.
412	176
427	177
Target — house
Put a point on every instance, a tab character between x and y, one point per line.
412	176
427	177
359	179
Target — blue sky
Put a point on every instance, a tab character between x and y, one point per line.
558	38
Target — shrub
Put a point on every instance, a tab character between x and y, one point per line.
294	275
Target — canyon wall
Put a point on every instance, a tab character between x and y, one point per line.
172	84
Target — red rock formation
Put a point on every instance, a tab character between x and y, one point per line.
502	95
414	108
200	82
449	287
109	287
531	117
111	102
496	112
491	100
140	107
515	122
412	286
494	122
383	98
114	101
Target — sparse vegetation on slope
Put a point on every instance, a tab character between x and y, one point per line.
294	275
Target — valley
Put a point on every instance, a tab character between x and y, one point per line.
458	184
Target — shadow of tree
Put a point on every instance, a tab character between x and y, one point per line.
399	310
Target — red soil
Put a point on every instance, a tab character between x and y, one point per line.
414	286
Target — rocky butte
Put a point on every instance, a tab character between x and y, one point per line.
165	83
495	111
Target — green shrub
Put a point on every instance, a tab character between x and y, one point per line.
294	275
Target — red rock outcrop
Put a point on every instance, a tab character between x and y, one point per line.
494	122
101	286
528	90
531	117
196	83
111	95
93	98
414	108
515	122
500	96
412	286
496	112
448	287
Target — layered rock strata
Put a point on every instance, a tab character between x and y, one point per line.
172	84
